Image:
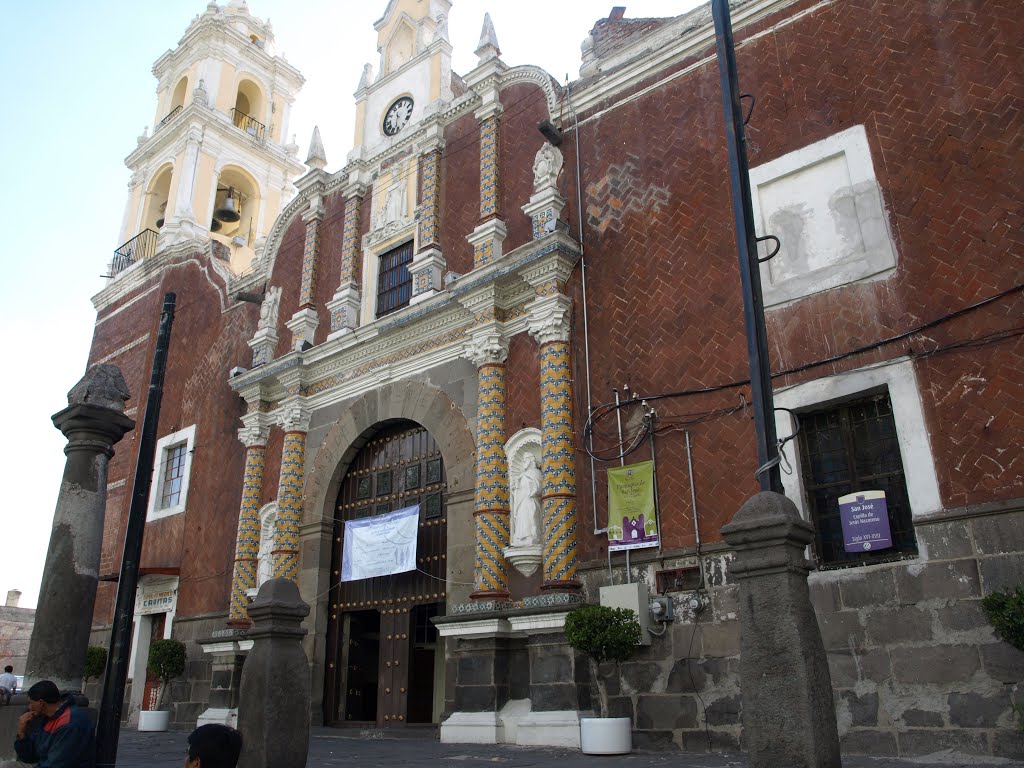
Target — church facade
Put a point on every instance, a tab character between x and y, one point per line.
511	286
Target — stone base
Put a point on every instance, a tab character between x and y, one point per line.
220	716
514	724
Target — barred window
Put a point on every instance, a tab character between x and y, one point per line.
394	283
174	473
850	448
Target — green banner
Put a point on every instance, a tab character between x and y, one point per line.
632	516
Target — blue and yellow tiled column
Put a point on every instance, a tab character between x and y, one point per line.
488	237
247	543
311	255
428	265
344	307
295	421
549	324
491	499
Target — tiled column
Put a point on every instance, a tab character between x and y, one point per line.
428	265
489	350
488	237
304	322
549	324
247	543
344	307
295	421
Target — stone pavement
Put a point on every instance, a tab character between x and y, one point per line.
334	747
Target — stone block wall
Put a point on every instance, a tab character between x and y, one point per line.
914	663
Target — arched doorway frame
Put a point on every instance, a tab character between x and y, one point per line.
433	409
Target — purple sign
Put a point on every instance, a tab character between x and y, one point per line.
865	518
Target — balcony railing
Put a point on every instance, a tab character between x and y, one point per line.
142	246
170	116
248	123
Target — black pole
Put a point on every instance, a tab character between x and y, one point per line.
116	674
746	241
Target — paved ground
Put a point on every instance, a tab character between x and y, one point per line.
329	748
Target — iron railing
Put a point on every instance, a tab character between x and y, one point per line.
142	246
248	123
171	115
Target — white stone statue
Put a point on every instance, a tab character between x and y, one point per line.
441	30
394	206
268	309
265	559
546	166
526	504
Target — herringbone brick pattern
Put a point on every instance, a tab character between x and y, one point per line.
460	192
525	106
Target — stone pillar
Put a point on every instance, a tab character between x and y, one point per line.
295	421
489	349
93	421
549	324
247	543
273	710
789	719
304	322
344	307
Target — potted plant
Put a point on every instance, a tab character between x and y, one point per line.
166	661
605	635
95	663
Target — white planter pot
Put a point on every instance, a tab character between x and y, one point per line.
606	735
150	720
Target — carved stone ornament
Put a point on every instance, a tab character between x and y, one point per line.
487	348
394	206
550	318
269	307
546	166
525	480
265	557
253	434
294	418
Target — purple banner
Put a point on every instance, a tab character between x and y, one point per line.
865	518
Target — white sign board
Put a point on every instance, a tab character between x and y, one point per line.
380	545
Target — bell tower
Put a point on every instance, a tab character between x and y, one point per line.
215	164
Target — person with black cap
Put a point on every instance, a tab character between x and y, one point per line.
54	733
213	746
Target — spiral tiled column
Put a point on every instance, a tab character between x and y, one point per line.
295	421
491	500
549	324
247	543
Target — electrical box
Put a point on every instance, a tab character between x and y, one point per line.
636	598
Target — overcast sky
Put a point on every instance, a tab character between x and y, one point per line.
79	89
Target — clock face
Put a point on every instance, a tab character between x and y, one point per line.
397	116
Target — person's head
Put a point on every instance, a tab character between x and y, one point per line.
43	698
213	746
9	669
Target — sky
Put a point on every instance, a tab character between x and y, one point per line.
78	91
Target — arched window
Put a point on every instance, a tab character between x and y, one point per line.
154	210
248	109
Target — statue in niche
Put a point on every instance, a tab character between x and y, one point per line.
265	559
526	504
546	167
394	206
268	309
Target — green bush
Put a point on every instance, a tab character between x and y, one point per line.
95	662
603	633
1005	612
166	661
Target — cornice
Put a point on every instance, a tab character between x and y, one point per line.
689	35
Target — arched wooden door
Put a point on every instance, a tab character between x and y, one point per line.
383	660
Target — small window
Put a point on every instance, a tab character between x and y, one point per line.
394	283
172	466
847	449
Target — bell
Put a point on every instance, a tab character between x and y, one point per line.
227	212
215	225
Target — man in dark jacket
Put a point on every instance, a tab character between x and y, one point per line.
54	733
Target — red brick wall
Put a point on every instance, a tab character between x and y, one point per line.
935	87
332	230
523	382
460	192
525	106
287	275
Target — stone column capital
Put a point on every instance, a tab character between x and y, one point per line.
769	536
487	346
294	417
254	433
550	318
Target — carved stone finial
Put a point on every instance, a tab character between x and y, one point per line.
366	78
102	385
317	156
441	30
487	48
199	95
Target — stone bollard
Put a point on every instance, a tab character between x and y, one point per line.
789	719
274	693
93	421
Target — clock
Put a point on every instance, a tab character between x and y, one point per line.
397	116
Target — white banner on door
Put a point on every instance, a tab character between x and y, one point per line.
380	545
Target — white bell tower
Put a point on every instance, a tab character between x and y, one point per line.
215	164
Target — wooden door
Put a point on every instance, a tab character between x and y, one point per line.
378	619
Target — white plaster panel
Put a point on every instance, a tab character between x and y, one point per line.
824	204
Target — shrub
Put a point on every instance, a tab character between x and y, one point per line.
95	662
166	661
604	634
1005	612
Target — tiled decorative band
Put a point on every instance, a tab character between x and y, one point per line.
247	543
